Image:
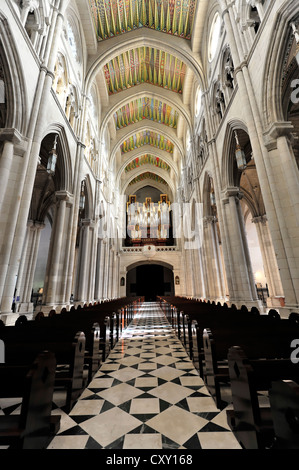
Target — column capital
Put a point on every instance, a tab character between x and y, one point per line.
260	219
209	220
64	196
233	191
86	222
276	130
11	135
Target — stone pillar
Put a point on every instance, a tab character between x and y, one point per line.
214	265
111	271
54	271
123	287
285	176
15	229
106	270
83	262
242	283
20	288
74	220
99	270
92	261
270	149
201	274
196	282
8	185
28	266
9	137
115	278
276	298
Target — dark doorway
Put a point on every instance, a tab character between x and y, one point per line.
149	281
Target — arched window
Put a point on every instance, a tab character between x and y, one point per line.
33	20
2	98
214	37
228	78
219	103
71	108
198	97
73	40
188	141
60	83
255	19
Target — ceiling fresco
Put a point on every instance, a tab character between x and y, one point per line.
145	65
114	17
147	160
145	108
148	176
147	138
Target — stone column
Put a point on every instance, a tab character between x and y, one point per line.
276	298
116	277
111	271
99	271
23	266
92	261
19	208
106	270
285	176
242	280
54	271
122	288
277	181
9	138
28	267
201	274
74	219
214	266
83	262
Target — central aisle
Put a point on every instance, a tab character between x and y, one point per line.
147	395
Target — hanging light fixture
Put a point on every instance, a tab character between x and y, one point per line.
213	198
82	196
52	158
240	155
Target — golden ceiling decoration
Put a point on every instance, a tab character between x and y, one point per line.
147	138
145	65
145	108
114	17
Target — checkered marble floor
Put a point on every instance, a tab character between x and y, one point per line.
147	395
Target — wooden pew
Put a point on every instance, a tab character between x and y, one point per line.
284	402
273	341
251	423
59	325
69	353
106	322
34	427
198	317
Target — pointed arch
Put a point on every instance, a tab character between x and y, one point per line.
64	155
15	90
274	63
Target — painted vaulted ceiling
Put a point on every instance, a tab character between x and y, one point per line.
147	160
114	17
144	65
148	176
147	138
145	108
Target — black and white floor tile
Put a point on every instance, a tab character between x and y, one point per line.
146	395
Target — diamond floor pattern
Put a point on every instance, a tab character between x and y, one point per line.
147	395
